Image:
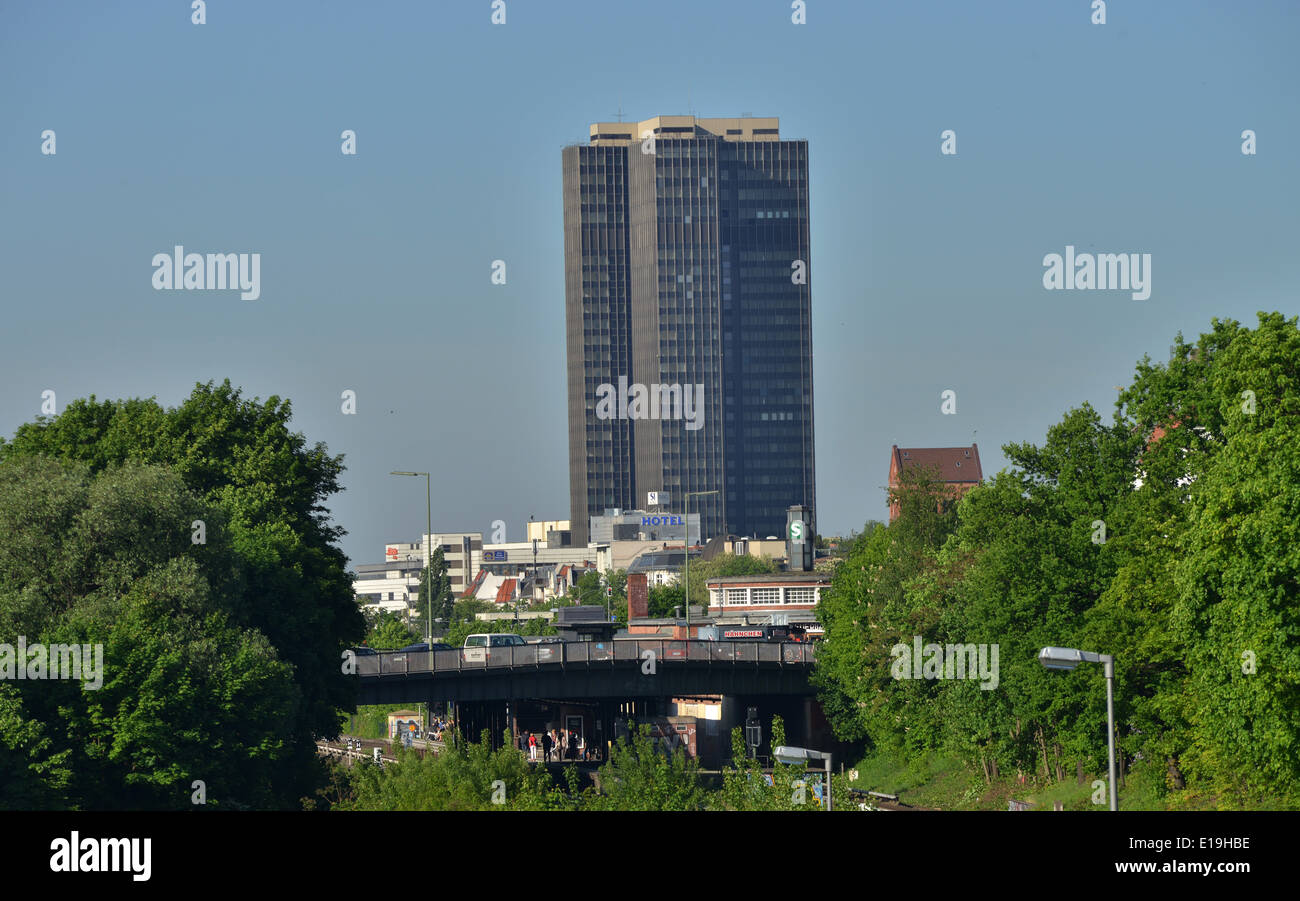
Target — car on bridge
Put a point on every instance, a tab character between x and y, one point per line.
479	647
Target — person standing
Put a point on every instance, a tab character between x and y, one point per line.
564	744
532	747
546	747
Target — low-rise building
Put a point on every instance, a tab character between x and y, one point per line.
958	467
392	587
767	592
663	566
639	525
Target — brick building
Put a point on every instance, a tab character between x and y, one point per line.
958	467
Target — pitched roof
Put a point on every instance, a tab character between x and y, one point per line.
474	586
506	591
955	464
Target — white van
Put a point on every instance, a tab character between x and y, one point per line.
477	646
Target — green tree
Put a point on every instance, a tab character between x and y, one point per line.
746	787
866	611
264	491
725	565
106	560
434	577
464	776
1236	620
663	598
389	632
641	776
1165	538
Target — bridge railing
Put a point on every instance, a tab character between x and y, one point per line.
587	652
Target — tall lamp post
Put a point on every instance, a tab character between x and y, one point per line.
1067	659
686	563
428	550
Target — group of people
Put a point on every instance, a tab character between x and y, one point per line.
438	726
557	745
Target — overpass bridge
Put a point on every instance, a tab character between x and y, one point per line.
585	669
527	688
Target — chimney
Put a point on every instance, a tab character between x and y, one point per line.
638	596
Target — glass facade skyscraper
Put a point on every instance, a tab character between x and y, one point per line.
686	270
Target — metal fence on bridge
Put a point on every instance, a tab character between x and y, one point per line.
664	651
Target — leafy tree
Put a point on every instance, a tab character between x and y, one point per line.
590	590
464	776
663	598
389	632
106	560
263	492
434	577
866	611
1165	538
640	776
725	565
746	787
1235	618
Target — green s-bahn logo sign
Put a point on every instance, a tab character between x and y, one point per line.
798	530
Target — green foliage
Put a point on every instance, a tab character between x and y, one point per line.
389	632
745	785
106	559
1192	588
89	542
435	583
725	565
531	627
590	590
465	776
867	610
663	598
641	776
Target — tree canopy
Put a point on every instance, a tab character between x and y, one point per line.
192	543
1166	537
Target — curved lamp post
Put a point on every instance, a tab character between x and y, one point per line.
1069	658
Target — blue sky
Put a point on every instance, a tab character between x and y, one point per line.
926	269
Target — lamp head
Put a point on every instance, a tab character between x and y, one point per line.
1060	658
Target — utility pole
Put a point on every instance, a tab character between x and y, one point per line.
686	562
428	551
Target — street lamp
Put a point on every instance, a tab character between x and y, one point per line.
1067	659
686	563
801	757
428	550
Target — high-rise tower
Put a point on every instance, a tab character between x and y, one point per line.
686	271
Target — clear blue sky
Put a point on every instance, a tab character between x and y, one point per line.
926	270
